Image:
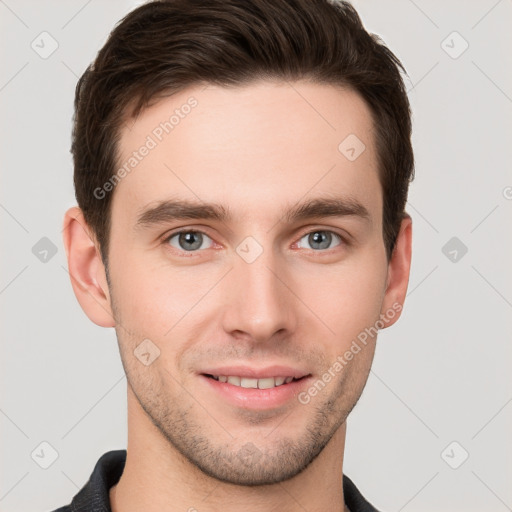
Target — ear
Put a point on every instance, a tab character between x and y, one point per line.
86	269
398	274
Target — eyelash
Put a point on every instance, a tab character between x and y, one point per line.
166	240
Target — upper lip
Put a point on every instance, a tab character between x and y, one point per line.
257	373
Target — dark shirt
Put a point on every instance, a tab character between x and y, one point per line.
94	496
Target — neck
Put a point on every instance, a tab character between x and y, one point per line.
156	475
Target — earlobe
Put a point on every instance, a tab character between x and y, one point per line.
86	269
398	274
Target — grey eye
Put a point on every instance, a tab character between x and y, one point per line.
320	239
189	240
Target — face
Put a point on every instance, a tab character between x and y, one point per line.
245	244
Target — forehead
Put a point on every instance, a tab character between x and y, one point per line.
248	146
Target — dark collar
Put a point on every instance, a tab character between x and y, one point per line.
94	496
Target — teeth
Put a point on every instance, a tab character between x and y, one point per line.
234	380
267	383
246	382
249	383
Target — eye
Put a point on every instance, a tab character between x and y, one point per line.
189	241
320	239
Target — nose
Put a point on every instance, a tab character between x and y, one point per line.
260	306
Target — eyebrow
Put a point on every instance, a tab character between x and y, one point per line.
181	209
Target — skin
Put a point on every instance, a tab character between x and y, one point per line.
258	150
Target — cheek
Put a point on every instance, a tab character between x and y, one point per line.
347	298
145	304
154	300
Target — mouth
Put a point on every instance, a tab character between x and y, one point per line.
253	389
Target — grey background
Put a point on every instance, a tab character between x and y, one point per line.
441	375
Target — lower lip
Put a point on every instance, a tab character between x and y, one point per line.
251	398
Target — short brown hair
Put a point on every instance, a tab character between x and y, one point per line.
164	46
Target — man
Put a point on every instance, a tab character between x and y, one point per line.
241	172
